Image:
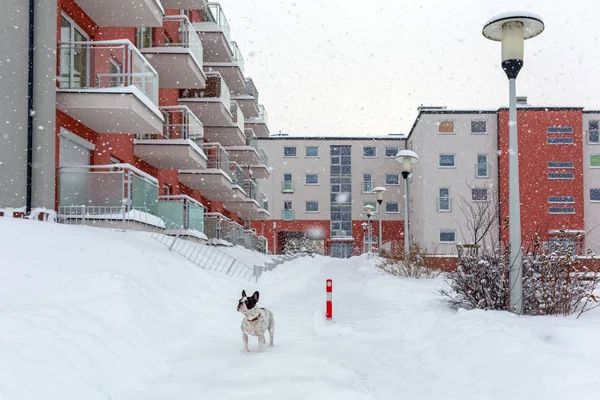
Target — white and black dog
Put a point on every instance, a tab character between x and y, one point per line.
256	321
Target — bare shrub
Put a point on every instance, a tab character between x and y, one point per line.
417	266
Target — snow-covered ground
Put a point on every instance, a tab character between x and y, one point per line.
92	314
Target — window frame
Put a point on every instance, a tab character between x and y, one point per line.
556	212
392	212
306	210
453	231
392	184
479	133
446	121
290	147
591	196
391	147
597	132
439	198
480	200
487	166
561	199
369	147
562	178
560	140
306	183
571	165
598	157
311	147
446	166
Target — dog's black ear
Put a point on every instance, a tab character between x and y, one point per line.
244	293
255	296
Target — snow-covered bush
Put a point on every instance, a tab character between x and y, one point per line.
554	280
301	246
479	281
395	263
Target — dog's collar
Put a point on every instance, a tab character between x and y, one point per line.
252	320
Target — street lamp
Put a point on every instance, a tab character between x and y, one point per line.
364	226
379	191
512	29
406	158
369	210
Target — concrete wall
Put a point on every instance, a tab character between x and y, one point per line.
426	140
14	25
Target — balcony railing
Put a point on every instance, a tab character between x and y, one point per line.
251	188
216	88
218	158
482	170
237	56
251	89
113	185
236	173
180	123
287	215
264	158
183	211
215	14
251	140
287	186
188	38
263	201
237	114
106	65
444	204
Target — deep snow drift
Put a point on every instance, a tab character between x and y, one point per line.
90	314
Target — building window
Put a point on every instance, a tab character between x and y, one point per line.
289	151
392	207
479	194
370	152
595	161
391	151
74	60
446	161
561	175
560	140
287	205
391	179
312	206
144	37
446	127
561	210
444	202
593	132
312	179
312	151
559	130
482	167
370	203
560	164
595	194
166	190
288	184
479	127
447	236
367	186
561	199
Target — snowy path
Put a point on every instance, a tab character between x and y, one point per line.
391	339
91	314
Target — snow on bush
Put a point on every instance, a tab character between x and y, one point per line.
301	246
416	266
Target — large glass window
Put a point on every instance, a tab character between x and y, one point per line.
74	62
446	161
289	151
341	191
312	151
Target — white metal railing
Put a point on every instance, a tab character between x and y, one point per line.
188	38
251	139
264	158
262	116
117	217
183	210
114	185
236	173
237	114
216	15
251	89
180	122
218	157
251	188
238	58
106	64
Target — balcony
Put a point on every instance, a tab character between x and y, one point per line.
223	121
105	195
248	100
287	187
232	71
222	179
180	145
215	34
287	215
247	154
258	170
108	86
185	212
179	64
259	124
247	207
124	13
184	4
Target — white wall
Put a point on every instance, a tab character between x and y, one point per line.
591	179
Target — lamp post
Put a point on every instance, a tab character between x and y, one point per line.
406	158
369	209
379	191
364	226
512	29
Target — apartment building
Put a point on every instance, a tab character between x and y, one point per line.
458	190
321	185
137	106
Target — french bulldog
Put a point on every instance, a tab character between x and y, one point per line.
256	321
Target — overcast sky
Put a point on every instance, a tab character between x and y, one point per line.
361	68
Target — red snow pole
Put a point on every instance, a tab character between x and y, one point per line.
328	303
